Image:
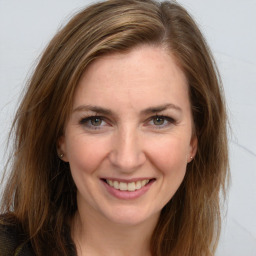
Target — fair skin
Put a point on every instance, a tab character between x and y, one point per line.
128	142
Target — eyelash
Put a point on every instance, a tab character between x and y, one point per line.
87	122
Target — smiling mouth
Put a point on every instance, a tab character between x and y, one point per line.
128	186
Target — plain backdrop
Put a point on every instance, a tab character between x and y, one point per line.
229	26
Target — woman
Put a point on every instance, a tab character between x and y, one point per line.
120	141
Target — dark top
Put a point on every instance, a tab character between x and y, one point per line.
14	243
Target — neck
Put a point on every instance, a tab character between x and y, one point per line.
95	235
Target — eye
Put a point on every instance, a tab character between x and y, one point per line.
96	121
158	120
93	122
161	121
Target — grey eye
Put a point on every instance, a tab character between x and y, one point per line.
158	120
95	121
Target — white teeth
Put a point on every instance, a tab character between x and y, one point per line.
143	183
138	184
122	186
131	186
115	184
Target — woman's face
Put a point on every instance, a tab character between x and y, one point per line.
129	138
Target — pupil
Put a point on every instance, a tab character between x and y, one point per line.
96	121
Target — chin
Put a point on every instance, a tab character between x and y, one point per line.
131	216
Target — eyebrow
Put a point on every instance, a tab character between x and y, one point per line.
92	108
156	109
105	111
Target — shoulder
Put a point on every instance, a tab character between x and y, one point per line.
12	240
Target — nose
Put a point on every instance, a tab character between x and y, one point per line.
127	150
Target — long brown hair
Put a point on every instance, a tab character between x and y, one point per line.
40	192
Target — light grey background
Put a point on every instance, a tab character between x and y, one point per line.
229	25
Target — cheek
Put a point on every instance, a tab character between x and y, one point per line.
169	155
85	154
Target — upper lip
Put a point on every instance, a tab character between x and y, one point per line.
127	180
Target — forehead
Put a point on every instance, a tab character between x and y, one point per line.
144	75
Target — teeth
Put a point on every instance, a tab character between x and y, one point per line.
115	184
131	186
123	186
138	184
143	183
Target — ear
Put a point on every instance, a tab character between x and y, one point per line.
193	148
61	148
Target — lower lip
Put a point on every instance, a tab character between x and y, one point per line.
126	195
